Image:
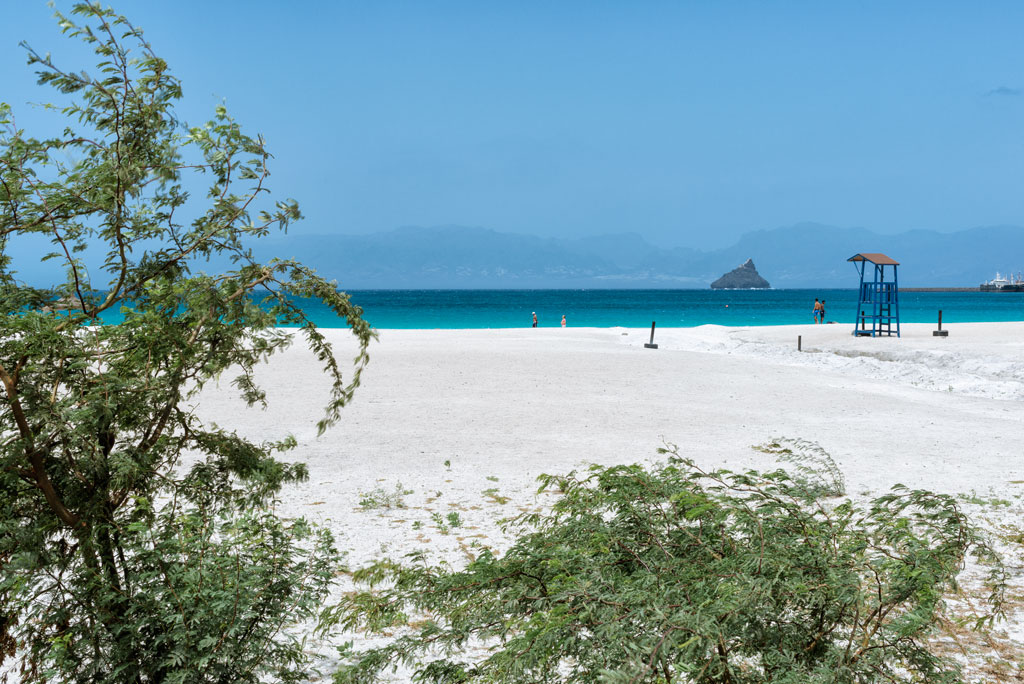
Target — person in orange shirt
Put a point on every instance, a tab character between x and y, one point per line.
563	320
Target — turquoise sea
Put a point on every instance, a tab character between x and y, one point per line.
637	308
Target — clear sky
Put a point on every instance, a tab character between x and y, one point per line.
687	122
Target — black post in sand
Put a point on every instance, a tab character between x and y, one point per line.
799	342
940	332
651	345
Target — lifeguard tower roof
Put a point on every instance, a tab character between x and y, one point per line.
876	258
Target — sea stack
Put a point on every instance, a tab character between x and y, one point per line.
65	303
745	277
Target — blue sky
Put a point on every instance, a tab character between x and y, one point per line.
689	123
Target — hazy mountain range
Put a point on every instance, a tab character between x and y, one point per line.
804	255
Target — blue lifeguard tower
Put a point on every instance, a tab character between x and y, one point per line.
878	305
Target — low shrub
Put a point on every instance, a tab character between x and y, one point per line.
676	574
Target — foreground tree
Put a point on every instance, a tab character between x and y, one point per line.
135	541
674	574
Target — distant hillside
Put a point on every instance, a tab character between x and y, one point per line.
811	255
804	255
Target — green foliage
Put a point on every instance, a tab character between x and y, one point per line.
135	545
382	498
492	494
438	520
446	522
978	500
675	574
811	462
7	619
205	589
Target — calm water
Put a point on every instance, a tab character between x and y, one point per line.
637	308
670	308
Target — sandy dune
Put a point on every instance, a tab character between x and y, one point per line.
940	413
502	406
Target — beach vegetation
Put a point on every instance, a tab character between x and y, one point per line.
673	573
439	520
379	497
138	542
976	499
820	474
491	494
446	522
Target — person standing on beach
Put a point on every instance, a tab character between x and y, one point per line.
821	312
817	310
563	320
534	319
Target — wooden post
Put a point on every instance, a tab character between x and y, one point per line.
651	345
940	332
799	342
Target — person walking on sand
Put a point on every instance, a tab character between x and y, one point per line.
817	310
563	320
534	319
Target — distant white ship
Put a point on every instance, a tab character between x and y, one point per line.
1003	284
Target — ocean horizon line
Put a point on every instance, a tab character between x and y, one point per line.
634	308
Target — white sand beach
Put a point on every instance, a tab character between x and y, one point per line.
465	420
